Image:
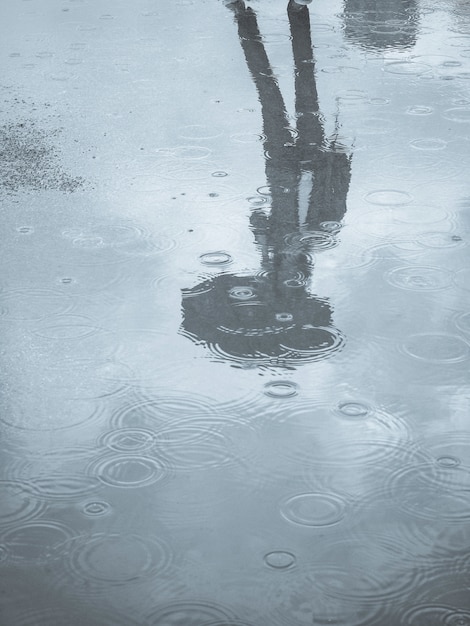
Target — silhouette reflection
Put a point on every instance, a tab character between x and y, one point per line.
270	315
381	24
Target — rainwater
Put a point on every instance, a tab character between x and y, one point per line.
235	313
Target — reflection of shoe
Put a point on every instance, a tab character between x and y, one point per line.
235	5
297	5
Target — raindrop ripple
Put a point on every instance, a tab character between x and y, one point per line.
314	509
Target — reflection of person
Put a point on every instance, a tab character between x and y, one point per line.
381	24
270	314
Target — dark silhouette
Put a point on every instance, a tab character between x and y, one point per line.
270	315
381	24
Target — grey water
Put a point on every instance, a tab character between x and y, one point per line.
235	313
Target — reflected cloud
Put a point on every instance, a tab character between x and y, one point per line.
270	315
381	25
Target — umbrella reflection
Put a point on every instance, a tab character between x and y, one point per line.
270	315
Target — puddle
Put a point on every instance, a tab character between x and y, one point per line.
235	402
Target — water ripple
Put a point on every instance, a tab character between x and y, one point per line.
107	244
191	448
351	446
149	413
196	498
352	96
269	190
436	348
115	559
144	354
241	293
450	448
376	126
331	226
437	615
191	152
185	169
314	509
409	68
419	214
383	454
25	230
281	389
275	38
355	409
146	183
87	379
316	240
297	346
33	542
430	143
64	487
113	235
200	443
199	131
19	502
231	622
361	585
388	197
248	138
419	109
441	240
96	508
30	413
33	304
128	439
55	616
280	559
446	602
419	278
261	201
462	321
423	164
311	344
397	249
191	614
433	491
127	471
457	114
297	599
66	327
399	221
462	278
371	571
218	258
43	458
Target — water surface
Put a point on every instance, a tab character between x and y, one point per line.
235	313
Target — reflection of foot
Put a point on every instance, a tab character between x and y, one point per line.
297	5
237	6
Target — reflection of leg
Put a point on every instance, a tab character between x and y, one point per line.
274	112
309	126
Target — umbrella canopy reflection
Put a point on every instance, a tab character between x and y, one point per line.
270	315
